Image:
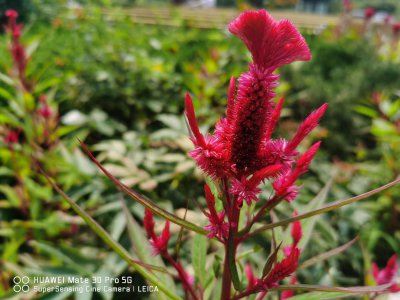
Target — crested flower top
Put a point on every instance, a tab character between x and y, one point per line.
242	148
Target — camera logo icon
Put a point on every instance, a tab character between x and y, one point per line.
21	284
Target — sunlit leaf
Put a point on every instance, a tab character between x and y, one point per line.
145	201
326	208
326	255
112	244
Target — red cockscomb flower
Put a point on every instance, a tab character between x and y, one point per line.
396	28
217	227
369	12
241	144
158	244
282	269
11	137
284	185
387	274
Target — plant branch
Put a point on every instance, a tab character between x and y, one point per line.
323	209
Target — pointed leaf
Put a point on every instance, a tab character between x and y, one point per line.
322	288
145	201
326	255
271	261
326	208
116	247
141	247
199	255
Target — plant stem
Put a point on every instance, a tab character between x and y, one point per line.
181	274
230	272
270	204
226	279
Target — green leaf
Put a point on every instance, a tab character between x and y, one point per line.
145	201
326	255
117	248
49	249
6	79
308	224
199	254
271	261
322	288
326	208
323	296
141	247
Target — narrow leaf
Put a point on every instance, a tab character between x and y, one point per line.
144	200
141	247
116	247
199	255
326	208
271	261
326	255
322	288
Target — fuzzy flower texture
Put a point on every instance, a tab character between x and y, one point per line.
242	151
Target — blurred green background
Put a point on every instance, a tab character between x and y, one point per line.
115	76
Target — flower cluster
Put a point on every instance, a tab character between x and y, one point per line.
44	118
242	153
159	246
17	48
387	275
280	270
242	150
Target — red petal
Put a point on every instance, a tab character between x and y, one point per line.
191	117
271	43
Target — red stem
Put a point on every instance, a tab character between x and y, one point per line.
181	274
226	279
231	242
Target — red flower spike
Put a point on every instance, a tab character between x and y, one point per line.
396	28
45	111
296	232
369	12
160	244
282	269
305	160
231	98
191	117
165	235
267	172
248	190
148	223
307	126
271	43
11	137
274	120
251	279
210	200
284	185
11	13
388	273
289	293
217	227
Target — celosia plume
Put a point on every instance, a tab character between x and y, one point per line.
11	137
282	269
369	12
242	145
387	274
158	244
296	233
17	48
251	279
217	227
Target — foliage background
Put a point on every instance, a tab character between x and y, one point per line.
120	85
